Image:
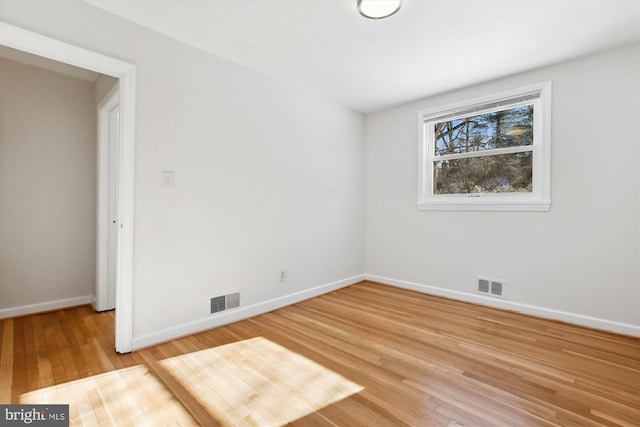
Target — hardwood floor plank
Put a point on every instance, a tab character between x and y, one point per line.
198	412
45	377
6	362
31	355
53	354
19	383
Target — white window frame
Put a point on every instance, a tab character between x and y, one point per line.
539	199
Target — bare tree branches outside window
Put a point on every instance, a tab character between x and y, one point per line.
487	170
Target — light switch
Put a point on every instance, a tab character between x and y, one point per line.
167	179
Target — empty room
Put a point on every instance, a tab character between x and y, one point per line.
320	212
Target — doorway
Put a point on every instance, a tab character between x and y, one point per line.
27	41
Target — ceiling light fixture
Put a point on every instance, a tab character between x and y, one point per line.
378	9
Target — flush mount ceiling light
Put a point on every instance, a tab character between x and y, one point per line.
378	9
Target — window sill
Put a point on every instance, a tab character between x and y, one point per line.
475	205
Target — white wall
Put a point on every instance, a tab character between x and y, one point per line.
266	177
577	262
47	188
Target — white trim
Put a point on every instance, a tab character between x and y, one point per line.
126	181
110	101
112	97
26	41
469	204
497	102
45	306
538	200
548	313
241	313
487	153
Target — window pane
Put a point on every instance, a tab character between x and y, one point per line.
498	129
504	173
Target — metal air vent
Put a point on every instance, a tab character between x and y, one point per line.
225	302
491	287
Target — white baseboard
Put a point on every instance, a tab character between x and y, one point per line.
45	306
240	313
577	319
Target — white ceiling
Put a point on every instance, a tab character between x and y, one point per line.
428	47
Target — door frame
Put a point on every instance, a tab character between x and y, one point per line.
37	44
106	217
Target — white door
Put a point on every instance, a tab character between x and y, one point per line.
114	132
108	201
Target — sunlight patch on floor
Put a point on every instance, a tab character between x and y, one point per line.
257	382
131	397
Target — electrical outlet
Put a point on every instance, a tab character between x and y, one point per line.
283	276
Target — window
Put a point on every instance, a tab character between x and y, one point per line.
491	153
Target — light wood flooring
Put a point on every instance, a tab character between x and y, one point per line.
365	355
